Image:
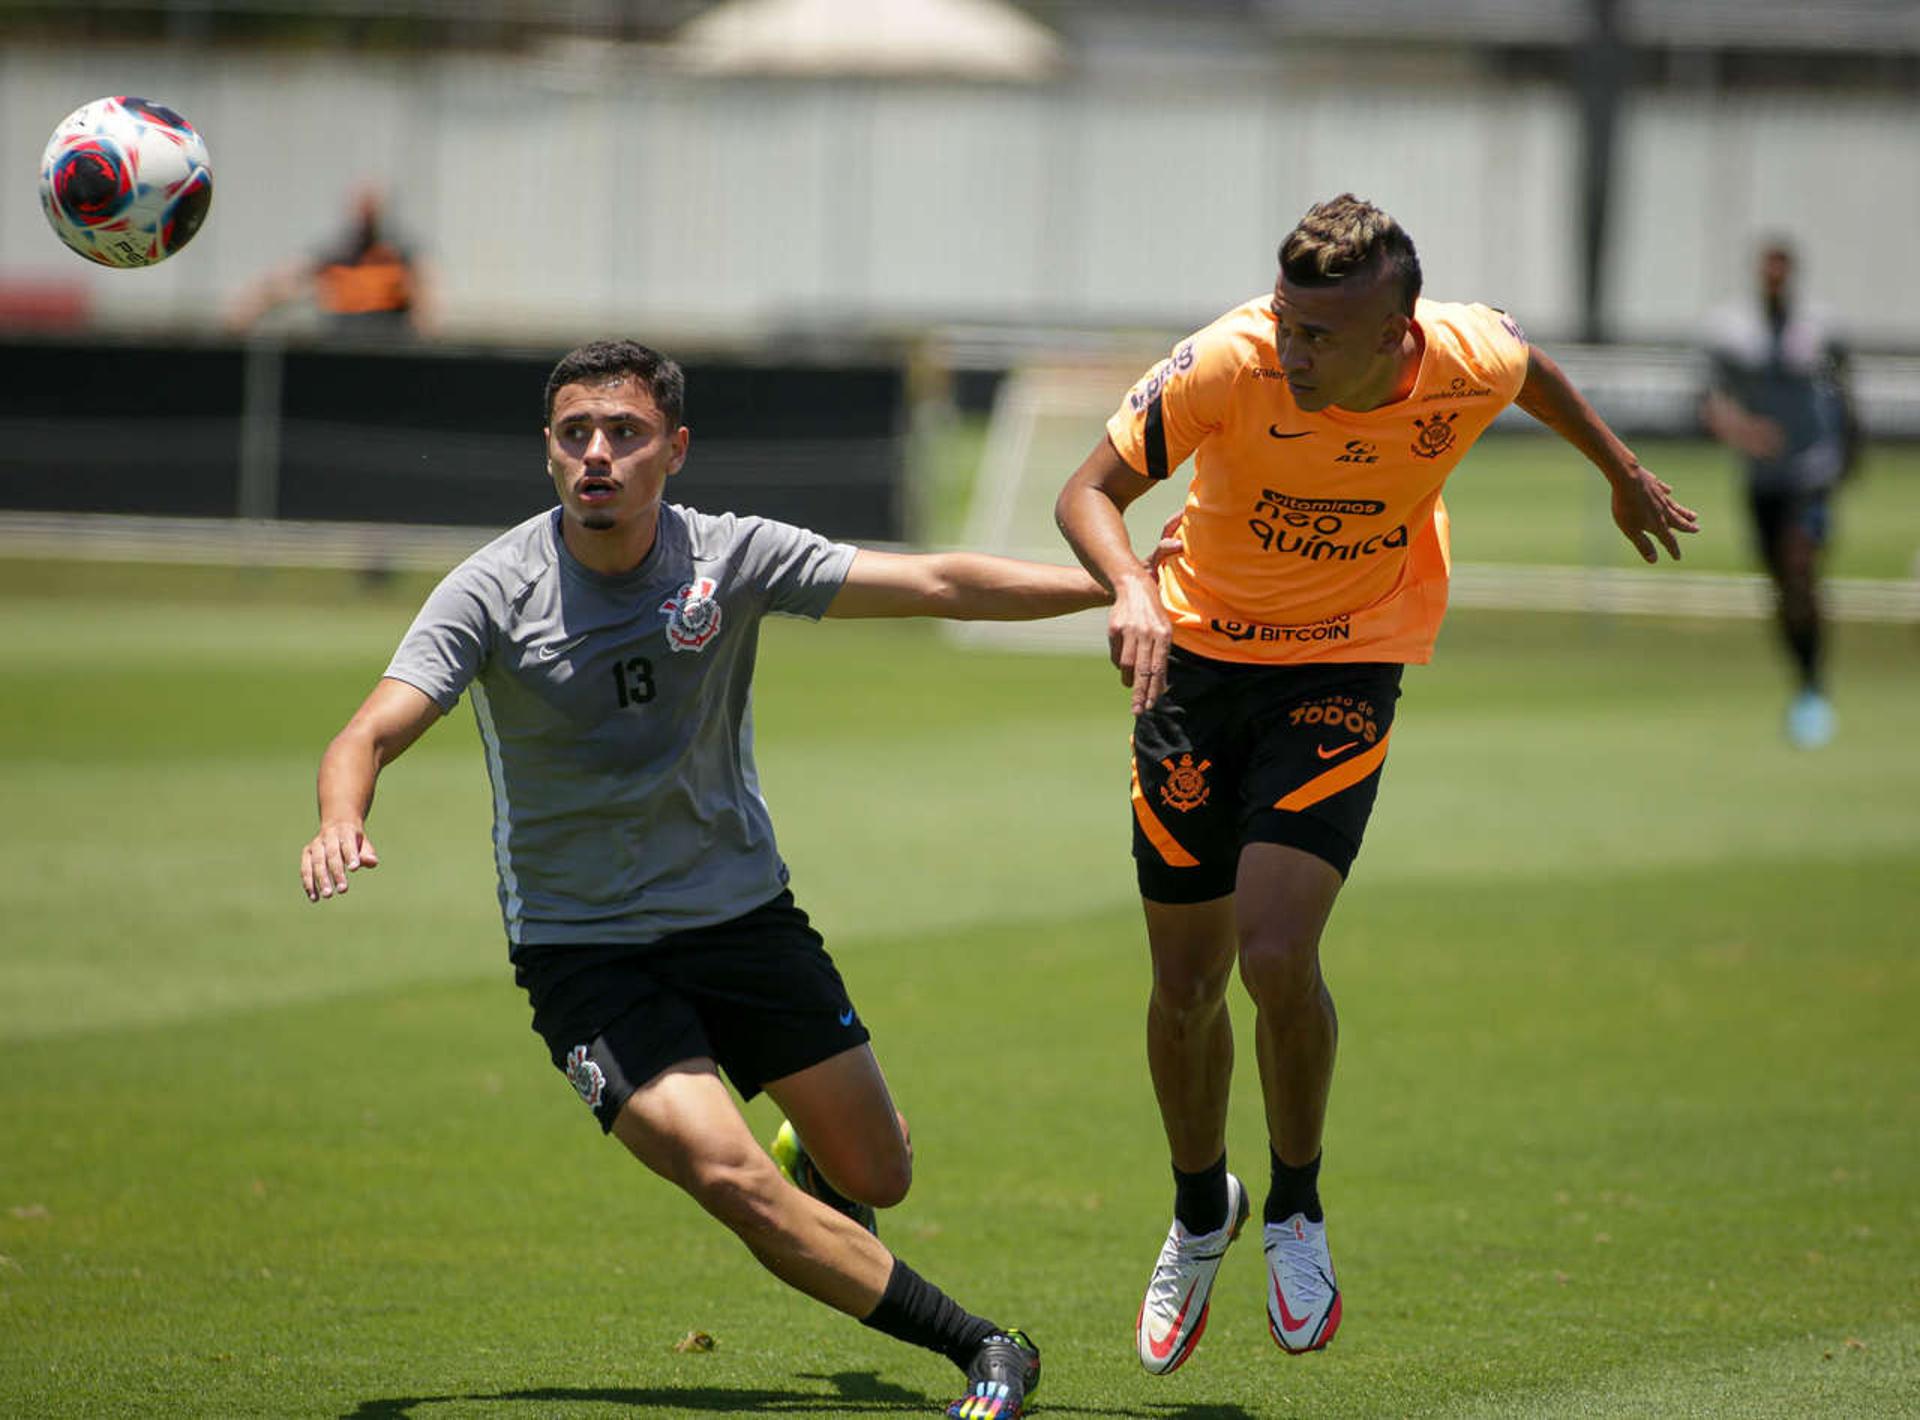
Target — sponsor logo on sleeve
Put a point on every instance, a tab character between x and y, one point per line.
693	615
1149	389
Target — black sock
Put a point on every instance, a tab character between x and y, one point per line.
913	1310
1200	1199
1803	641
1295	1190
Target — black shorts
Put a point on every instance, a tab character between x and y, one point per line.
758	994
1235	754
1775	511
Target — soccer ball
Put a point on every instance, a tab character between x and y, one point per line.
125	181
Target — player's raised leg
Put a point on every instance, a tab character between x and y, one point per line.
1190	1054
1283	897
847	1145
684	1125
842	1140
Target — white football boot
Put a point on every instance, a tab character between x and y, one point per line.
1173	1314
1303	1301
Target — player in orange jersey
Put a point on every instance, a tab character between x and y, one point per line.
1265	663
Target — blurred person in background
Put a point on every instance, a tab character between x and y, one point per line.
368	283
608	648
1323	418
1778	396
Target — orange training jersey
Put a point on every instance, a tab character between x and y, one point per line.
375	281
1313	537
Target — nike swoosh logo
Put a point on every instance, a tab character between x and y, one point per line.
846	1017
1336	751
548	653
1288	1321
1274	431
1161	1346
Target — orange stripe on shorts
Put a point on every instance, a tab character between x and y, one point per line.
1163	842
1341	776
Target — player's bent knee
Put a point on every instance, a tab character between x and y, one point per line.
899	1179
884	1182
880	1176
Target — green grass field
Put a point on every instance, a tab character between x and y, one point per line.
1523	498
1627	1121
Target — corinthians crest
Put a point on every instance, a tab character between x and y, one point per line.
585	1076
1186	787
1435	434
693	616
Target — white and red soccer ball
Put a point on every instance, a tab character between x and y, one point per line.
125	181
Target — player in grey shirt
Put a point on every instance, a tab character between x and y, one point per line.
616	711
608	648
1778	396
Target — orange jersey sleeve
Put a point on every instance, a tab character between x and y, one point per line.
1186	398
1322	536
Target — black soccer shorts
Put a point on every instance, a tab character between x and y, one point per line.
758	995
1774	511
1233	754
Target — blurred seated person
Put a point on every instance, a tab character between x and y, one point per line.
368	283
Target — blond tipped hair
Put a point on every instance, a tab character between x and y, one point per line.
1347	238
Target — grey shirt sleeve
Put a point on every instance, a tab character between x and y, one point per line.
798	571
450	639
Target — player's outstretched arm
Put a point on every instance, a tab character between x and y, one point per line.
1644	507
963	586
1738	428
1089	513
391	718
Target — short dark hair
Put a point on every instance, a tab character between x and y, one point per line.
1345	237
604	360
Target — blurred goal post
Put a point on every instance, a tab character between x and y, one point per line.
1046	416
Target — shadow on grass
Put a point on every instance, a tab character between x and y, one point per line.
857	1393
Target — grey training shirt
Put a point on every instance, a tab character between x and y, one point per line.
1784	373
616	714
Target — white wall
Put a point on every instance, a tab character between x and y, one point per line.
586	192
1702	182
